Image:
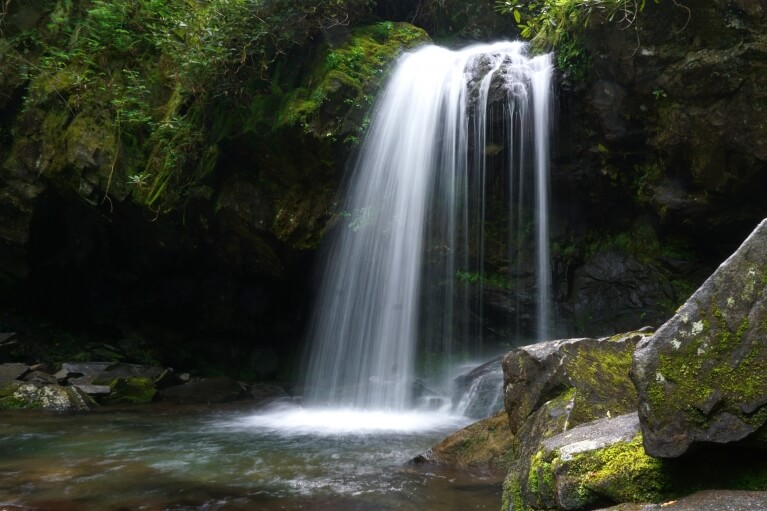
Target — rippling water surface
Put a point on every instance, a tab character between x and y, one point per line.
230	458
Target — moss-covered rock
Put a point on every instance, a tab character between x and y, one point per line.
21	395
554	386
701	376
131	390
600	461
594	372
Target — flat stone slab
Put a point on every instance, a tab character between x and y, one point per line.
711	500
94	390
593	435
13	371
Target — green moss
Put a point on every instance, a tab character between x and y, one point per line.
512	499
706	364
9	400
347	75
601	377
540	479
131	390
622	473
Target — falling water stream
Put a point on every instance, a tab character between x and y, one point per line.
417	192
420	182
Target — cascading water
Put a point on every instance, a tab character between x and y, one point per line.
419	188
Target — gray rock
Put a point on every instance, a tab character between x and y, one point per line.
80	372
40	377
12	371
701	377
594	435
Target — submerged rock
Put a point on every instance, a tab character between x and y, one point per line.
701	377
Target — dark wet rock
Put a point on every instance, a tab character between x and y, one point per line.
12	371
482	446
479	392
264	392
710	500
169	378
22	395
211	390
41	378
701	376
611	290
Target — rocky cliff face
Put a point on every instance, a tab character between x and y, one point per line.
660	157
658	169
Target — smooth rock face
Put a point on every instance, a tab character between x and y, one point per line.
701	377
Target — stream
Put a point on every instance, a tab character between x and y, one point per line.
230	457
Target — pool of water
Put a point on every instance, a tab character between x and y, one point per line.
230	458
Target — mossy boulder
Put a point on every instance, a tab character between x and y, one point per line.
554	386
21	395
131	390
602	461
594	372
701	377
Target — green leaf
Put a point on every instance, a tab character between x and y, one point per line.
517	16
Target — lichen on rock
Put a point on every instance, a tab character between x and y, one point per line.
701	376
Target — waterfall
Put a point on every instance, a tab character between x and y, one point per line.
414	217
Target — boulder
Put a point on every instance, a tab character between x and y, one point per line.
594	371
132	390
701	377
22	395
40	377
554	386
211	390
